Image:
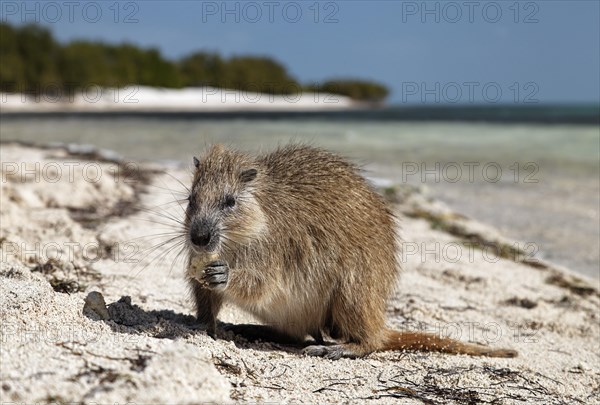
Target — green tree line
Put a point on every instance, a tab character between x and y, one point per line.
32	61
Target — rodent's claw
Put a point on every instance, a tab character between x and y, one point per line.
216	275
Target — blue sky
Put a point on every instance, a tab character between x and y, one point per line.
524	52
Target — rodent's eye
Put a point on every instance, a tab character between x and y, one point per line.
229	201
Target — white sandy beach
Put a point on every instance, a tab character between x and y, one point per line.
74	223
137	98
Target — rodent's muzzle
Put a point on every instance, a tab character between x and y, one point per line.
204	235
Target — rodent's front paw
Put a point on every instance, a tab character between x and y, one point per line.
216	275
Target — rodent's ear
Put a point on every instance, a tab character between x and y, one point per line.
248	175
196	162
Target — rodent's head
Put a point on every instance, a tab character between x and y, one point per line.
222	211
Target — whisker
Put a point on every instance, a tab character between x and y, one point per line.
181	251
163	216
156	235
159	245
160	254
169	226
168	189
177	180
173	195
167	203
158	211
168	251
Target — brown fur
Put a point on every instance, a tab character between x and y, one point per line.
310	248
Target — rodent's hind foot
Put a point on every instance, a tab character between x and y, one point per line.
333	352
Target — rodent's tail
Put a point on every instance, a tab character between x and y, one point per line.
426	342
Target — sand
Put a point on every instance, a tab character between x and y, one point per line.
67	232
137	98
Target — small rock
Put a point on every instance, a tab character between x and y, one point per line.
581	368
95	306
521	302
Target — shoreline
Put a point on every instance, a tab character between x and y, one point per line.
62	344
215	103
354	113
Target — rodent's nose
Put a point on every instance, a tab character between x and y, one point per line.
201	239
201	233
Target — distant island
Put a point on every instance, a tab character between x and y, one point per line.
34	63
